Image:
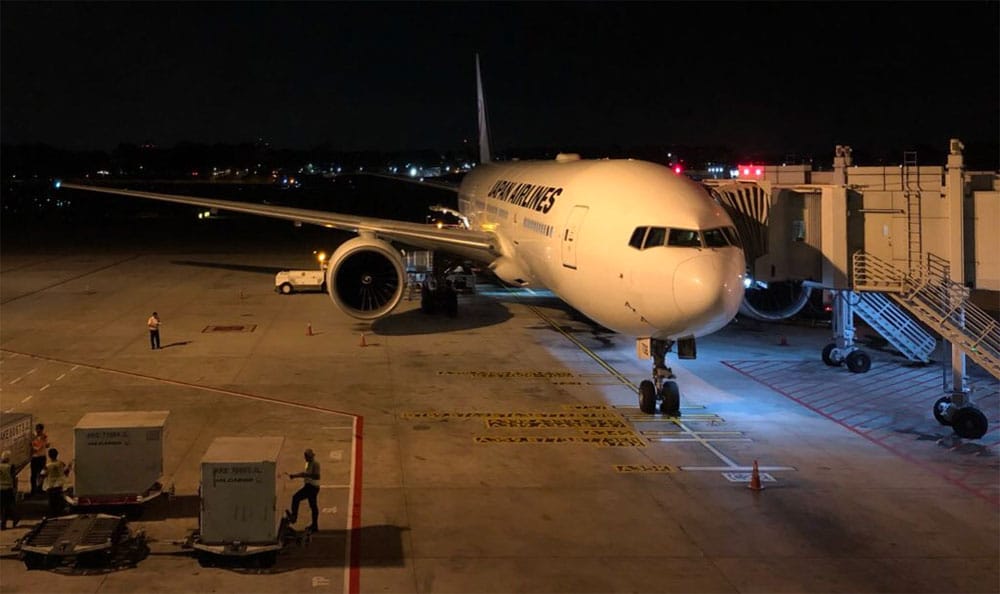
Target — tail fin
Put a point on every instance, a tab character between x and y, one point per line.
485	155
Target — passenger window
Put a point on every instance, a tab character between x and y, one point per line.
657	236
637	237
715	238
684	238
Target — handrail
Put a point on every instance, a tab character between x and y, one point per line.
938	301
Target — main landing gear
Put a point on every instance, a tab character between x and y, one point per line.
662	387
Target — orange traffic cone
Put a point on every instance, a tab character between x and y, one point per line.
309	329
364	343
755	479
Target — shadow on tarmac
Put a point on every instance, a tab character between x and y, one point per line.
269	270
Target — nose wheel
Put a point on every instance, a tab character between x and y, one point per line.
662	388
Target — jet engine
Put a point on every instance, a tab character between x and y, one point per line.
366	277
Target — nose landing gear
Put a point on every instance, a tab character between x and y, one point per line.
662	387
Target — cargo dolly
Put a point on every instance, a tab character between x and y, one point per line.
258	554
82	540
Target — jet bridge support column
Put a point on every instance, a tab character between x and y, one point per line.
836	261
955	195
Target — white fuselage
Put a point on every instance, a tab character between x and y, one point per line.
567	226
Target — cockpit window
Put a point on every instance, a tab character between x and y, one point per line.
684	238
715	238
637	237
656	237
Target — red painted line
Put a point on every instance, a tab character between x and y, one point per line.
829	404
354	579
994	500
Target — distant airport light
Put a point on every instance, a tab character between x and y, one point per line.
58	183
678	169
413	172
751	170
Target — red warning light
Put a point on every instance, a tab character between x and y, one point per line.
750	170
678	169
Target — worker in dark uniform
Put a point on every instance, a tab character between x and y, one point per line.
55	474
309	490
39	447
8	492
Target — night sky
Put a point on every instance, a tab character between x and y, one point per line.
753	76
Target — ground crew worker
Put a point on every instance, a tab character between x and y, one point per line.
153	323
8	492
309	490
39	447
55	474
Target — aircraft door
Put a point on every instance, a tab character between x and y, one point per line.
571	234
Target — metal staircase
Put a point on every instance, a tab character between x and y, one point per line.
943	305
894	324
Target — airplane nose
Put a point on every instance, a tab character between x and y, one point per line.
708	290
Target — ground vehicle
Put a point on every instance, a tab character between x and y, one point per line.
287	282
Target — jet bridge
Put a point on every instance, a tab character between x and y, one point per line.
805	230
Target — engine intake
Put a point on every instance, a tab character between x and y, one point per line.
365	278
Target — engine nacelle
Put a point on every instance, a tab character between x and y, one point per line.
365	277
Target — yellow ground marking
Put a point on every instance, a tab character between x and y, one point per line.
607	441
643	468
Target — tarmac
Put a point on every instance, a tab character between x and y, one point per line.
498	451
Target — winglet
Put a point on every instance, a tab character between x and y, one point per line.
485	156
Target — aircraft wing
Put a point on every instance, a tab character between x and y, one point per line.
481	246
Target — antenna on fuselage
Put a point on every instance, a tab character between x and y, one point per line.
485	155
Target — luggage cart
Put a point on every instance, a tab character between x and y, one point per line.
82	540
261	555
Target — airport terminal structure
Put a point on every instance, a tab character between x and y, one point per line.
501	449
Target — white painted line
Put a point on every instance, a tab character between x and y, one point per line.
738	468
74	368
336	455
324	427
329	510
9	410
698	439
33	370
60	377
335	486
745	477
27	399
43	388
14	381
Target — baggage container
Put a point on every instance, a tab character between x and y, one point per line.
239	491
118	456
16	431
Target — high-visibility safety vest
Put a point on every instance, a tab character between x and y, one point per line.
55	475
6	476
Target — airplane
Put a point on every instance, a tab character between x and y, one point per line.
630	244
